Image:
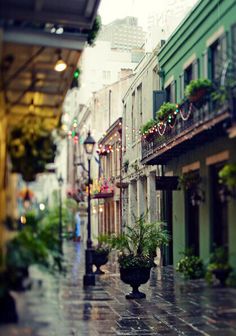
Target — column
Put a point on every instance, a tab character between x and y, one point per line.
151	197
140	197
132	202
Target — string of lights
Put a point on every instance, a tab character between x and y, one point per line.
159	128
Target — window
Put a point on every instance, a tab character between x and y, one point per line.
155	79
170	92
217	58
133	124
124	133
139	101
216	61
106	75
188	74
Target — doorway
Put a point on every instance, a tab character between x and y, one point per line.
192	217
219	210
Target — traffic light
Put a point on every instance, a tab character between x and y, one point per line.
76	73
75	82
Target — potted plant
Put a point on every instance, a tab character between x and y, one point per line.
165	111
36	244
227	179
218	266
136	246
31	147
101	252
198	90
191	182
227	175
190	266
145	129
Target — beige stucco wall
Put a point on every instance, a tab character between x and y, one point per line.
142	177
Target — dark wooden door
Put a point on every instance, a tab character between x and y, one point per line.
192	223
219	210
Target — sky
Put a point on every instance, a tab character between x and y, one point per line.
114	9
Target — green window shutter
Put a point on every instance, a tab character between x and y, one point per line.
159	98
181	86
196	69
223	44
173	92
206	64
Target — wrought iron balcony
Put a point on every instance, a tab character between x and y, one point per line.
189	126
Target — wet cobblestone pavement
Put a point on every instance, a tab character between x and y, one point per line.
61	307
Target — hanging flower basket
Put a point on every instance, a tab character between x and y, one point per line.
165	111
147	129
30	147
198	90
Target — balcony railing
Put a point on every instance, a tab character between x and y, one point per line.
186	124
102	188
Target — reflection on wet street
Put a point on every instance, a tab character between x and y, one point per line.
60	306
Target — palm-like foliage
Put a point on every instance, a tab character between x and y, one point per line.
140	241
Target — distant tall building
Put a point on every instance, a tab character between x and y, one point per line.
161	24
124	34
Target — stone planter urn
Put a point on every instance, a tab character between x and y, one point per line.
100	258
135	277
222	275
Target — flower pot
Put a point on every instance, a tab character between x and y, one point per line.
135	277
99	259
16	278
8	313
199	98
222	275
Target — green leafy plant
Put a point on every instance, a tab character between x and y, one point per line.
221	95
165	110
92	34
227	175
190	266
231	281
147	126
31	147
26	249
189	180
103	243
198	88
137	243
218	261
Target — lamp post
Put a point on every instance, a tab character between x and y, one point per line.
60	183
89	277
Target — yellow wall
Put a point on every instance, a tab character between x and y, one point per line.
3	126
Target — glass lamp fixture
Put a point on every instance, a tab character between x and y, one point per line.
89	144
60	64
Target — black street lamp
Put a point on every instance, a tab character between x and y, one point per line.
89	277
60	182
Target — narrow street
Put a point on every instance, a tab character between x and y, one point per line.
60	306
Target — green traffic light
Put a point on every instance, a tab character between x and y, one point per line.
76	73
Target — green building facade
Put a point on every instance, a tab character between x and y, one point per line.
198	139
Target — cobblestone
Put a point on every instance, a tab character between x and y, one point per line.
59	306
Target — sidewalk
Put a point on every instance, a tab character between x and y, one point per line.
61	307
